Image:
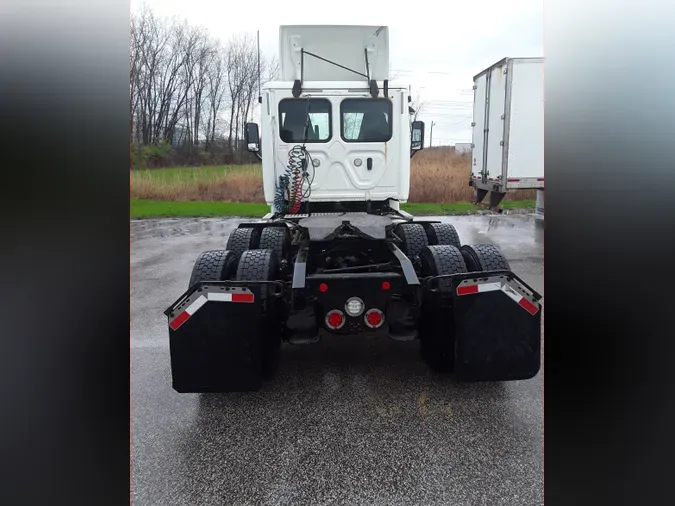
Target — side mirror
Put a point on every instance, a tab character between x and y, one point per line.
252	137
417	136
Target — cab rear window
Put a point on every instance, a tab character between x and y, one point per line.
305	120
365	119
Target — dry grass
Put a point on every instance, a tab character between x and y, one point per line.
232	183
438	175
231	187
441	175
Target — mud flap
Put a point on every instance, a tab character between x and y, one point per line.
497	327
215	332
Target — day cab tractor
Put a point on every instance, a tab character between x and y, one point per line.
336	254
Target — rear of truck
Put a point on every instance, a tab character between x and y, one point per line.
335	255
351	274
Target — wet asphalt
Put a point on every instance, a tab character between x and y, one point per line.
350	421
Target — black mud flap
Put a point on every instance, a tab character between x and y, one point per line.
215	332
497	327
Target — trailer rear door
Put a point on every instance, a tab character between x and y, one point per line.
488	125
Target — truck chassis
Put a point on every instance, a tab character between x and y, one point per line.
292	278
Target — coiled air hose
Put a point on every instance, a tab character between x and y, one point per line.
289	194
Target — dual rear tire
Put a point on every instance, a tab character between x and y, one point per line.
243	239
252	265
216	265
437	323
416	236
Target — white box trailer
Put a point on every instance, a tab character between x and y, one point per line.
508	128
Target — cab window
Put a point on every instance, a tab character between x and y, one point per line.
305	120
366	119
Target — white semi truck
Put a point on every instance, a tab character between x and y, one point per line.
508	130
336	254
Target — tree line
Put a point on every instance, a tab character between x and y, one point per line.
189	90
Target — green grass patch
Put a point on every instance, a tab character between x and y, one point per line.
519	204
422	209
164	209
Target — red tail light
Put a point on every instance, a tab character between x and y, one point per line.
374	318
335	319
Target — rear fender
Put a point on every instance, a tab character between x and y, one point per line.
497	324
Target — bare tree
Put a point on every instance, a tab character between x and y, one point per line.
215	94
181	77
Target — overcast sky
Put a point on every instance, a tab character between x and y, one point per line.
437	47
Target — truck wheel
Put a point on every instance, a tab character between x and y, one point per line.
217	265
242	239
262	265
276	239
442	259
442	233
414	239
484	257
436	324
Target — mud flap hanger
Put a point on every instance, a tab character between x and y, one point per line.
465	284
234	292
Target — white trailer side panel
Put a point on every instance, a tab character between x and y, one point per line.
477	135
496	114
524	140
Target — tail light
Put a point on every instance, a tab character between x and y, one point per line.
374	318
335	319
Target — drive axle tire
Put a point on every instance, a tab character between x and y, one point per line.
263	265
440	260
484	257
442	233
257	265
437	325
277	239
414	239
217	265
242	239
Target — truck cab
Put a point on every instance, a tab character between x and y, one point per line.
353	135
358	146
